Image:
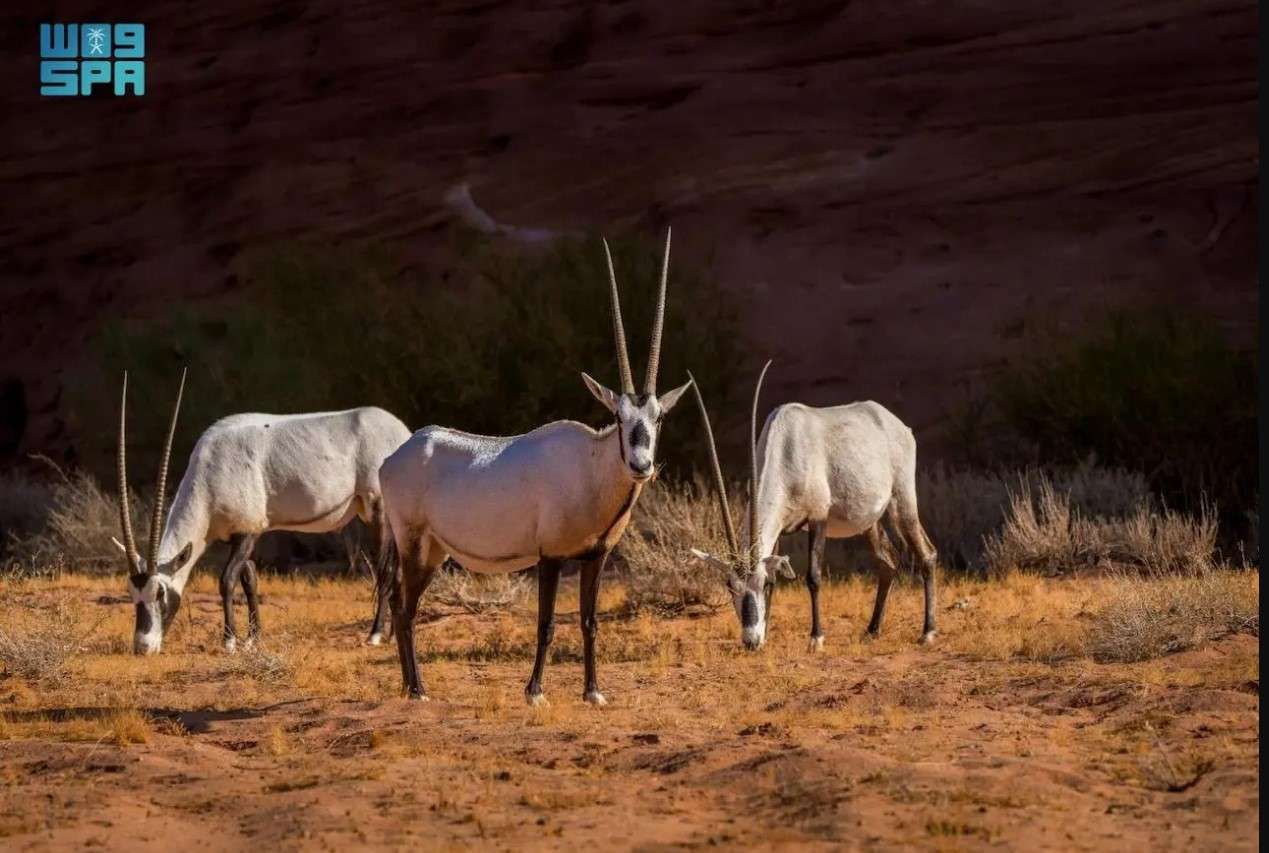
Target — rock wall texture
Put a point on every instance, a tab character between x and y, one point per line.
896	189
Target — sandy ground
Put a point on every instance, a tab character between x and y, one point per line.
985	740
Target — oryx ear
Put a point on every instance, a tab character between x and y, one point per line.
785	569
705	557
602	394
183	557
669	398
735	585
119	545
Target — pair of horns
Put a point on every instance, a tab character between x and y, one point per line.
125	515
720	486
619	331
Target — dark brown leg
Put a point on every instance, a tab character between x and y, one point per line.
382	570
239	549
591	571
815	540
548	583
906	520
410	581
251	590
883	551
929	569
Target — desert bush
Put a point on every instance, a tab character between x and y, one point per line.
78	521
1044	531
670	518
1154	391
1149	616
961	508
39	647
494	346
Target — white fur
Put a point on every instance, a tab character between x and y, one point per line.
252	473
843	464
500	504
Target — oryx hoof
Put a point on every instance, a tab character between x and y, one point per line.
375	639
231	645
417	696
871	635
594	697
929	637
249	643
816	645
536	700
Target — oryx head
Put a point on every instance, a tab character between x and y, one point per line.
750	577
638	415
149	582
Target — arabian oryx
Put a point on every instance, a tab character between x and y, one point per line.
835	472
563	491
249	474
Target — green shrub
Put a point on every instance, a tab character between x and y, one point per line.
1153	392
495	348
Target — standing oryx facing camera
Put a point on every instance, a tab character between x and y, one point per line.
563	491
249	474
835	471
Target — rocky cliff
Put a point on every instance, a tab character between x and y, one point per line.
897	190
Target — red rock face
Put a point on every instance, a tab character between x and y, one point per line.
897	189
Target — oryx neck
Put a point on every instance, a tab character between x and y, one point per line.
188	522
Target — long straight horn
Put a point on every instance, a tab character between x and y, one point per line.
618	330
720	487
753	467
121	457
658	323
156	520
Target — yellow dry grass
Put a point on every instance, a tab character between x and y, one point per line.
309	650
684	697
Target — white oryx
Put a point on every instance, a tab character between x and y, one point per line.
835	472
500	504
249	474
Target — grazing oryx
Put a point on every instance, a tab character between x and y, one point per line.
250	474
563	491
835	472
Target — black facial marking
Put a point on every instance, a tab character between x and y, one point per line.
171	604
144	623
748	610
639	435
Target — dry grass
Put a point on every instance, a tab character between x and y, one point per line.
669	519
267	662
1045	531
475	593
961	510
884	722
1145	617
79	519
38	644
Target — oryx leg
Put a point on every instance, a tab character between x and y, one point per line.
417	566
382	569
883	553
548	583
240	546
903	515
816	536
251	590
591	570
